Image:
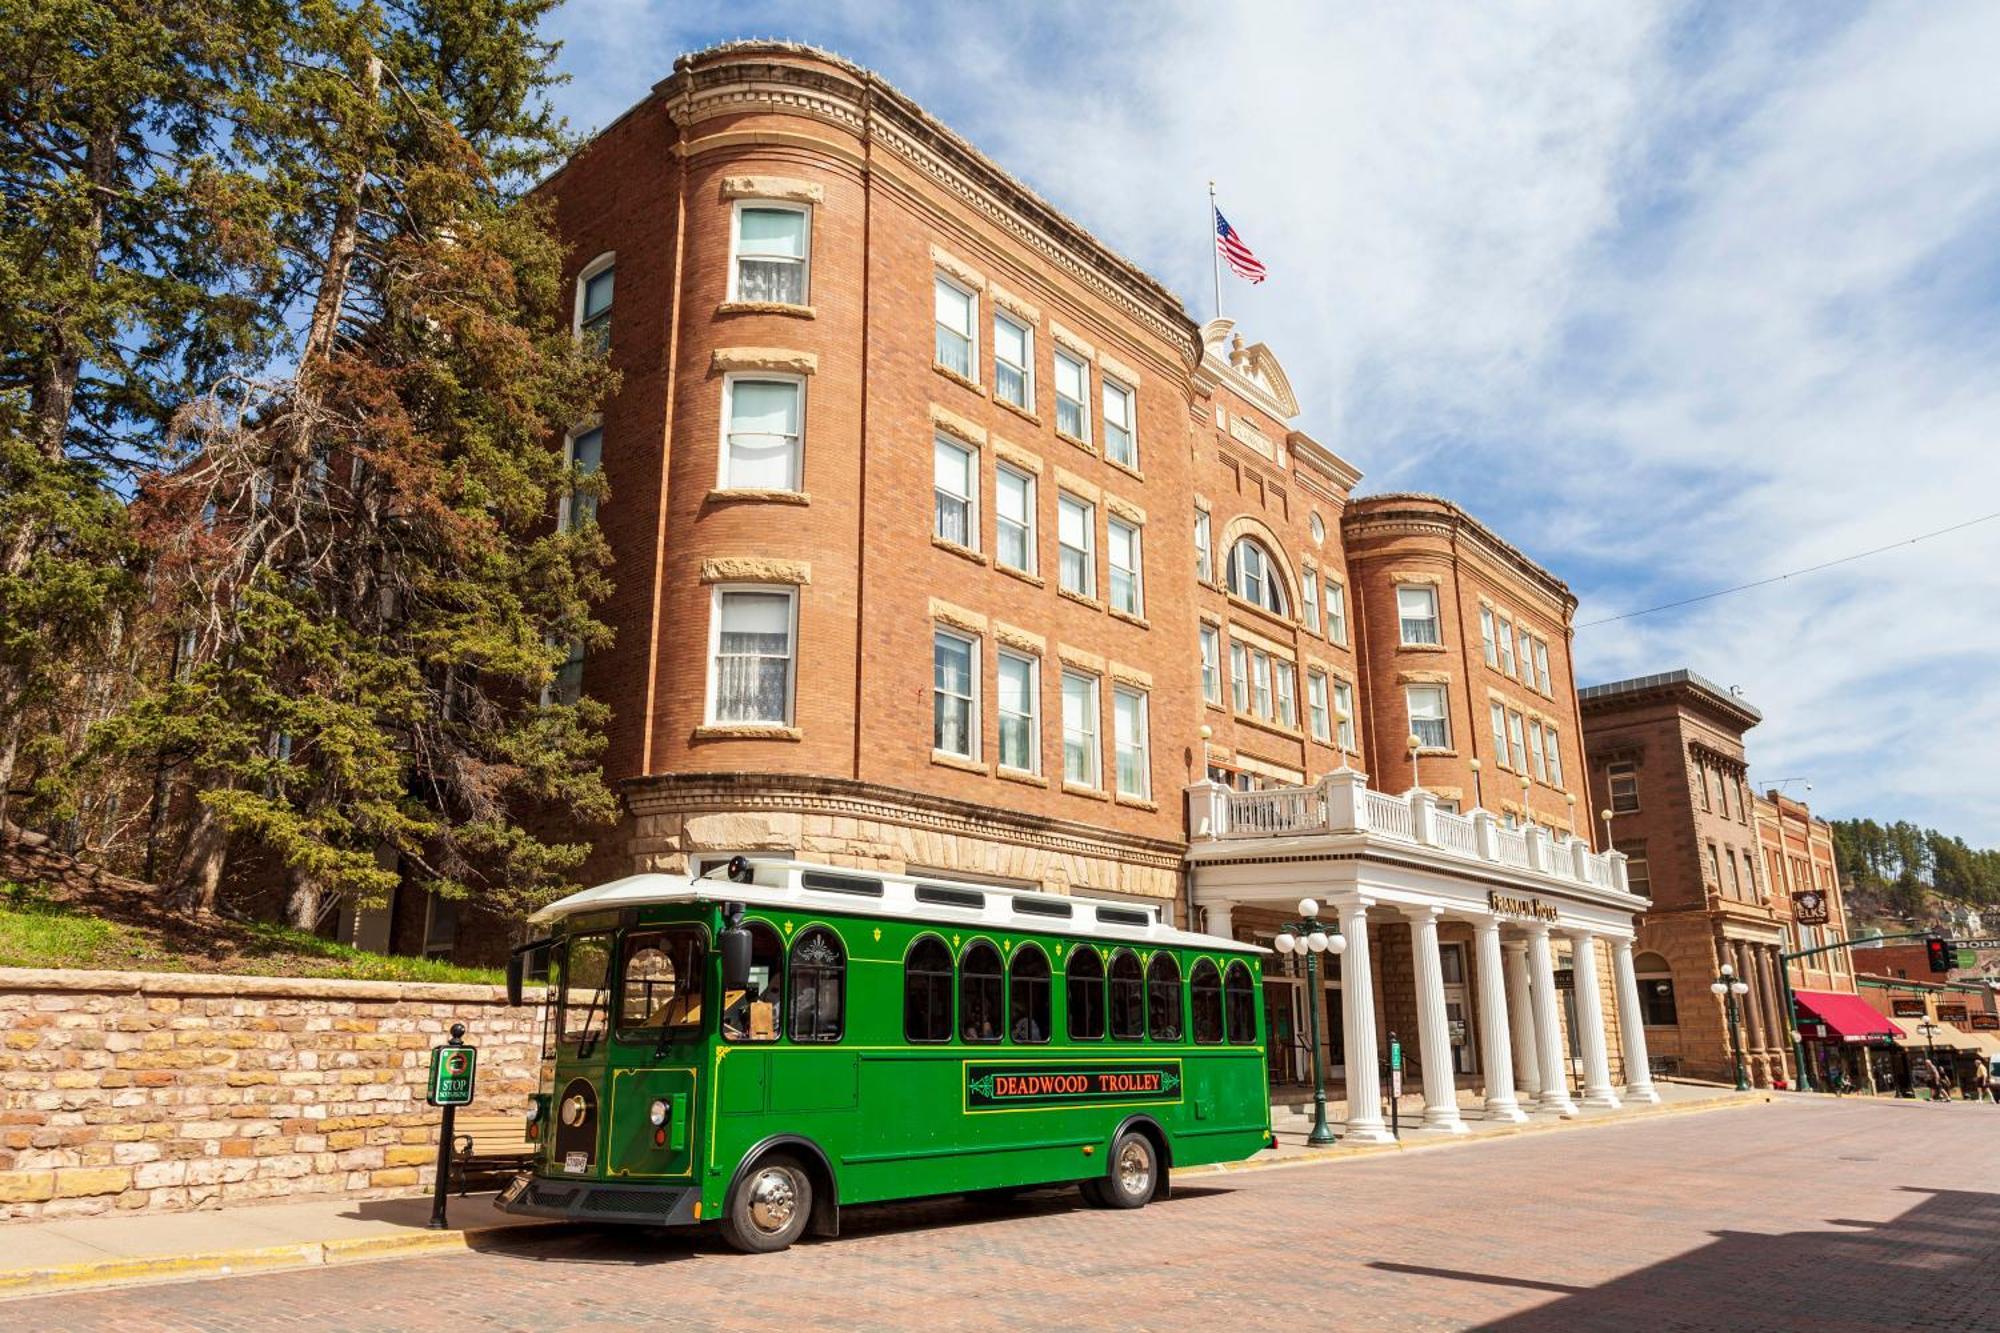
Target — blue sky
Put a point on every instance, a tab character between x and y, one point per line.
1674	297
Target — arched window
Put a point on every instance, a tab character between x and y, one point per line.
1028	1000
1165	1019
756	1012
1206	984
1239	998
1085	994
1253	575
927	991
819	985
1656	991
1128	997
979	1010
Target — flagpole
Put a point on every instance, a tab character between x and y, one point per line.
1214	250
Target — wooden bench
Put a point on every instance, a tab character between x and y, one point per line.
490	1147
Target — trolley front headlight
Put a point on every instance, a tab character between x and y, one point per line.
534	1130
659	1112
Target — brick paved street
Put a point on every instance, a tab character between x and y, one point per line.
1794	1215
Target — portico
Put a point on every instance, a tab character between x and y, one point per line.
1500	957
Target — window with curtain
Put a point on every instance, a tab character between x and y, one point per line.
927	981
954	694
1080	752
1013	362
818	985
1076	521
762	447
1336	612
1204	553
1013	518
753	656
1239	677
955	471
1121	425
1205	988
1211	664
956	311
1487	645
1020	712
1084	993
1343	707
1128	724
1506	631
1285	677
1029	1002
981	1016
1542	668
1253	576
771	254
1128	997
1309	599
1499	712
1555	755
1417	609
1316	711
1165	1020
1072	393
1121	540
1428	720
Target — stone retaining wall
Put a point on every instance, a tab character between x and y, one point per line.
140	1091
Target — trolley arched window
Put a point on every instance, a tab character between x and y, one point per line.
1239	1003
980	1015
756	1013
1085	994
1205	984
1028	1000
1254	576
1165	1020
819	985
927	991
1128	997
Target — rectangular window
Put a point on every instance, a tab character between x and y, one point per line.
762	438
771	254
1701	777
1013	362
1020	707
1714	867
1507	645
956	488
1285	676
1072	393
1204	551
1128	733
753	652
1211	664
1309	596
1429	722
1542	668
568	685
1316	708
1336	612
1623	780
1519	742
957	346
1527	641
1121	541
1735	876
1638	873
1014	519
1121	424
1416	605
954	694
1486	642
1080	753
1260	682
1076	523
1239	677
593	309
1535	750
1500	735
586	455
1555	755
1343	707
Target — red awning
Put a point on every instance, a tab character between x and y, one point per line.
1846	1017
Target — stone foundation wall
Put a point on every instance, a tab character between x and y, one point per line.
135	1091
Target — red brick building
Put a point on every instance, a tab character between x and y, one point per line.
946	541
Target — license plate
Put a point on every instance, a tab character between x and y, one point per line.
576	1161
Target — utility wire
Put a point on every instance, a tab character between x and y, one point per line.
1780	578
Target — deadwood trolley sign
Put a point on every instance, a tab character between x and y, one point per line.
761	1046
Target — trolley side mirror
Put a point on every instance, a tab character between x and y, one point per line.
530	959
735	944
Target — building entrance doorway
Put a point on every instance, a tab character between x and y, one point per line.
1290	1030
1458	1010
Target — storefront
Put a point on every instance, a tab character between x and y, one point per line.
1843	1035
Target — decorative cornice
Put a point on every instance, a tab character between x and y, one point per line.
1411	514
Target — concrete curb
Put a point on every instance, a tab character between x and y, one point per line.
146	1271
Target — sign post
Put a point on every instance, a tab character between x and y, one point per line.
454	1067
1395	1086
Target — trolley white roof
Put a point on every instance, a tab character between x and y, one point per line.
802	886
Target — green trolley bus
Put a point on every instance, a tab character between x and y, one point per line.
762	1045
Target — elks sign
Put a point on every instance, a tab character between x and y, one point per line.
1001	1087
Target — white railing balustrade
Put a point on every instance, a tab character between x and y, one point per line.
1454	833
1390	816
1276	813
1513	845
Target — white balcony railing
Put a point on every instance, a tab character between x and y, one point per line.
1342	803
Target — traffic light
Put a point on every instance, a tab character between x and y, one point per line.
1938	952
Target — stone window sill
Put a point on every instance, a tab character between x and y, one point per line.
1021	574
946	759
1136	802
1423	647
1080	599
1244	604
1078	789
1127	468
1084	445
756	495
747	731
962	552
958	379
1275	728
1131	619
1023	776
765	308
1025	413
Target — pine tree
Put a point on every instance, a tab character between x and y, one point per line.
360	546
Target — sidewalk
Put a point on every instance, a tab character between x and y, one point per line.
71	1254
43	1258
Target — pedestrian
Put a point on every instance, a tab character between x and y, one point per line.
1982	1083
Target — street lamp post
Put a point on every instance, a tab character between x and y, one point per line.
1478	800
1570	798
1930	1030
1728	988
1605	816
1414	744
1311	937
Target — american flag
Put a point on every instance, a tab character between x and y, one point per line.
1241	262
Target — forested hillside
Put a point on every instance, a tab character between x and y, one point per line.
1902	865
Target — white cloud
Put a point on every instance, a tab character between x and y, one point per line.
1675	299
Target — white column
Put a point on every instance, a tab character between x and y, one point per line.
1597	1089
1357	1009
1521	1017
1440	1088
1218	921
1631	1025
1496	1046
1548	1028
